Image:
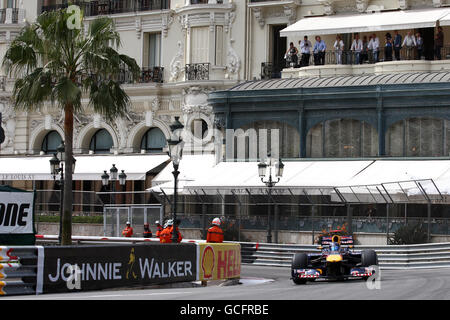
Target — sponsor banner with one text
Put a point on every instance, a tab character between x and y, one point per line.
16	212
98	267
219	261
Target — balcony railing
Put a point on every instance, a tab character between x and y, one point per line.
205	1
14	15
106	7
350	57
2	15
197	71
147	75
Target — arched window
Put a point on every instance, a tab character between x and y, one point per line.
418	137
51	142
101	142
153	140
267	136
342	138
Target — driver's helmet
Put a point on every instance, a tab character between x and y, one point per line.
334	246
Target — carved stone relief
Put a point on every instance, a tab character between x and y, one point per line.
195	100
166	21
9	125
233	61
176	65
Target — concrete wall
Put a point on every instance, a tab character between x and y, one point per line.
287	237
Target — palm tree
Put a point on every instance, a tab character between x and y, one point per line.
52	61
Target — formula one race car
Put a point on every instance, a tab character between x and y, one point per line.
337	260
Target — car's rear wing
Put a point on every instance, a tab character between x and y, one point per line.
343	240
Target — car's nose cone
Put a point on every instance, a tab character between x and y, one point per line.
334	258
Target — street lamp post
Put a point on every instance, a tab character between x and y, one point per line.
277	167
57	167
122	182
176	145
112	176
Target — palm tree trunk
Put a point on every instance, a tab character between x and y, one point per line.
68	201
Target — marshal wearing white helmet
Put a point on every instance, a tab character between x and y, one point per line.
215	233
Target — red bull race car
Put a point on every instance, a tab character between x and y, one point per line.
337	260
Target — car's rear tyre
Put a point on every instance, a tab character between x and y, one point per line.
369	258
300	261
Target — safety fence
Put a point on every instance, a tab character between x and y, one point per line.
116	217
389	257
438	226
56	269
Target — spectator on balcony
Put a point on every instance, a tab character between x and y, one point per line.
338	49
364	51
291	56
374	46
438	43
305	49
319	51
357	47
419	42
410	43
397	45
388	48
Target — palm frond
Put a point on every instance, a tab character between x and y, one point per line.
33	89
108	98
59	64
22	55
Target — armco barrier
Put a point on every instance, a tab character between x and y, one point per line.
430	255
19	269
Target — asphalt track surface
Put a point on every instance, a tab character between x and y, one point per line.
420	284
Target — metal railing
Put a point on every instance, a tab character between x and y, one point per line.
349	57
204	1
19	270
2	16
430	255
197	71
14	15
85	203
105	7
433	255
439	226
147	75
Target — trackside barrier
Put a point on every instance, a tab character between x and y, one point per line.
431	255
19	269
218	261
53	269
95	267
